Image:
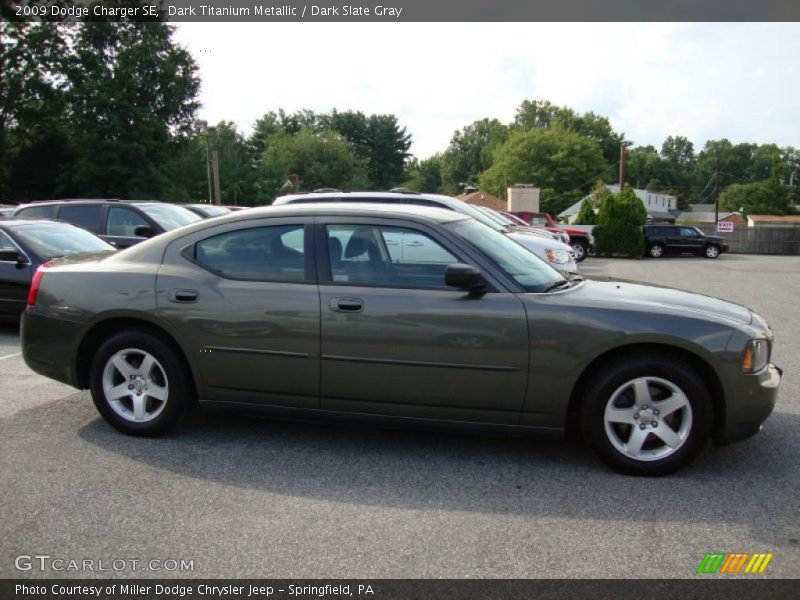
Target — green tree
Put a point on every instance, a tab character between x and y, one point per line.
541	114
470	153
132	96
586	214
34	141
378	140
619	225
425	175
769	197
549	158
320	160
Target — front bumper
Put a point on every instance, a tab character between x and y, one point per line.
749	401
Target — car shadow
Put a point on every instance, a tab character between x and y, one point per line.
447	470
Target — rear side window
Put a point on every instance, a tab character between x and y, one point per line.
36	212
88	217
259	254
123	221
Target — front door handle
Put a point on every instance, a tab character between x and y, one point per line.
347	304
183	296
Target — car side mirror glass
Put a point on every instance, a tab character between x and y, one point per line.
144	231
463	276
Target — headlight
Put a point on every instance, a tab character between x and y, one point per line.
558	257
756	356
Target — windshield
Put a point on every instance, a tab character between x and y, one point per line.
527	269
473	212
169	216
212	210
51	240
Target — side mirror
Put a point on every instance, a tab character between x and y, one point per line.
463	276
144	231
13	256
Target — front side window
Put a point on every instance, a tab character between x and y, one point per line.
6	243
386	256
124	221
688	232
527	269
169	216
274	253
88	217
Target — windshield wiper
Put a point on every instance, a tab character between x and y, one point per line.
557	285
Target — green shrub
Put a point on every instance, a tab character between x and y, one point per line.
586	214
619	225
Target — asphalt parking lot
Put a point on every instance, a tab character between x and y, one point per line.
243	497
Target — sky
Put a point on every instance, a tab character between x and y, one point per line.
739	81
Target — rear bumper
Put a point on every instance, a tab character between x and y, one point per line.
749	401
49	346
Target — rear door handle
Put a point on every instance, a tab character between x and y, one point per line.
347	304
183	296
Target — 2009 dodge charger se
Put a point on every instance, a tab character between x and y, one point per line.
398	313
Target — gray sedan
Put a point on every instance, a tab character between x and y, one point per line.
402	314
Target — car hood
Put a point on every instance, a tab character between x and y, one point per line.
655	298
531	240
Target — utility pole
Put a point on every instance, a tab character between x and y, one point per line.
215	166
622	154
716	194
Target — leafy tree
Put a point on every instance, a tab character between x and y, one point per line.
273	123
553	202
320	160
188	179
471	152
541	114
425	175
131	96
678	152
549	158
769	197
34	141
586	214
619	225
376	139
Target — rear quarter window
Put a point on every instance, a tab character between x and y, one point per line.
35	212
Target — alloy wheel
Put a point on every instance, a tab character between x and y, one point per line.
135	385
648	418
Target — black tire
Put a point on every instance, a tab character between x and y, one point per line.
581	250
655	250
694	424
169	373
711	251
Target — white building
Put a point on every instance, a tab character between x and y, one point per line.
659	207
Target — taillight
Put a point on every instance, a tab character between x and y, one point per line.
34	289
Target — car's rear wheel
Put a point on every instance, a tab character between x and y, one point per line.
647	415
656	250
139	384
581	250
712	251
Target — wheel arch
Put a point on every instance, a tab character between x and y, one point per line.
694	360
102	330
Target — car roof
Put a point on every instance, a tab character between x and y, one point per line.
350	208
344	196
89	201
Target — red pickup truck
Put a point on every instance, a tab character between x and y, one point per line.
578	239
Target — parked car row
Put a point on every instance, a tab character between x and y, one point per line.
362	305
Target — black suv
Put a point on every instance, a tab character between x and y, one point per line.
119	222
680	239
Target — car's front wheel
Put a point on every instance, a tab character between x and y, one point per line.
139	384
712	251
581	250
656	250
647	415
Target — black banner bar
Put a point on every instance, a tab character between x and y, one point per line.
700	588
405	10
